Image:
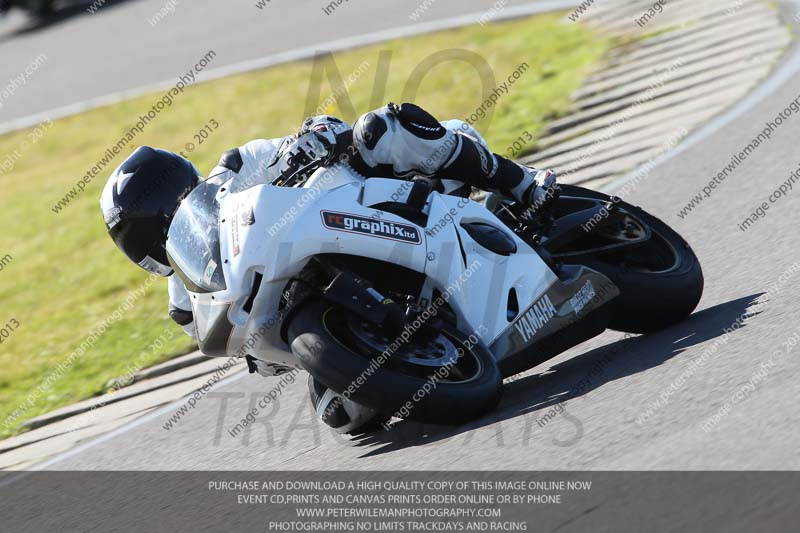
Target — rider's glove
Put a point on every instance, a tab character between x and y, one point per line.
321	140
336	135
544	190
307	148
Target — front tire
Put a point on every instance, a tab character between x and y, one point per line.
650	300
323	338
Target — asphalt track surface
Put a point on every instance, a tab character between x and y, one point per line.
603	386
116	49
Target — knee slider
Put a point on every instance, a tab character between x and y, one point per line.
180	316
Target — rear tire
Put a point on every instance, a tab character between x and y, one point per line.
315	336
650	301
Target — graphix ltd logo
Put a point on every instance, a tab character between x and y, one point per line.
384	229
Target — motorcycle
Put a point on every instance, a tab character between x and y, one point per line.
410	297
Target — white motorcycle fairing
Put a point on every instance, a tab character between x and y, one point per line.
497	285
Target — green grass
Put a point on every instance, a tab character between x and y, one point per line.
66	276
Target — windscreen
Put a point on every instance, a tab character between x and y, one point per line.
193	245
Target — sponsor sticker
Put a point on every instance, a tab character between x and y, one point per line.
535	318
113	217
583	297
153	266
384	229
235	232
211	268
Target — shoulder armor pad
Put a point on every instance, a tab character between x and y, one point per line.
232	160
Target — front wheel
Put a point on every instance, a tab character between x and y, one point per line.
660	280
445	380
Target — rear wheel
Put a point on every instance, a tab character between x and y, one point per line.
660	280
442	380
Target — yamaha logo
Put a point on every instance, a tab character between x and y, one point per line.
535	318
